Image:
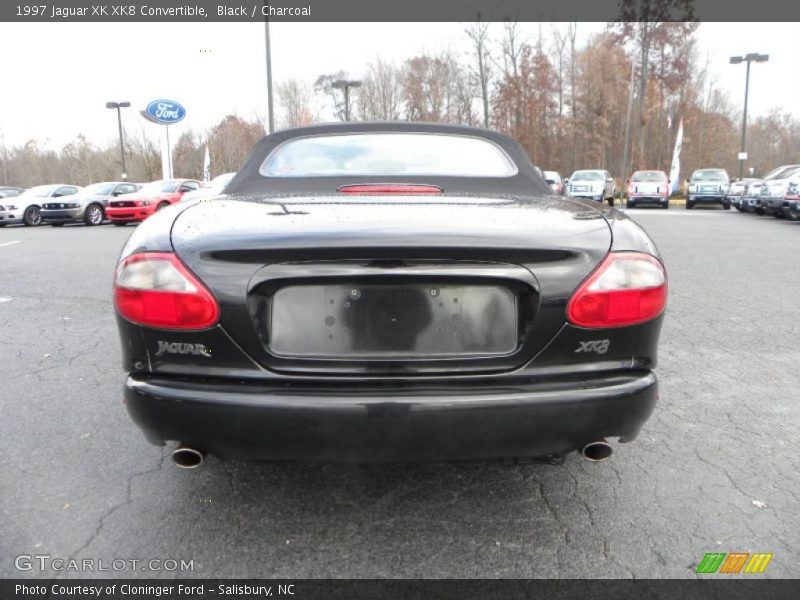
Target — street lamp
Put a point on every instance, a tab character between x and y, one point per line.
118	106
736	60
268	47
342	84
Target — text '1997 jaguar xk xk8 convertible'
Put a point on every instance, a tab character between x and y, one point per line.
389	292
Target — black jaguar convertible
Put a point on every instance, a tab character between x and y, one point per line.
389	292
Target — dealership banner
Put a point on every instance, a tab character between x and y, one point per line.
675	168
390	10
405	589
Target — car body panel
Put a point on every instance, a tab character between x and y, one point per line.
217	388
366	423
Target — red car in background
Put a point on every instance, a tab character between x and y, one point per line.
135	207
648	187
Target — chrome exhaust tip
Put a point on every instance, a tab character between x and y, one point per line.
187	458
597	451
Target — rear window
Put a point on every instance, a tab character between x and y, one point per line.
388	154
649	176
588	176
710	175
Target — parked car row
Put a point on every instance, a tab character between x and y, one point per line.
120	202
777	193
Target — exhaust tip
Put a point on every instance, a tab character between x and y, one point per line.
187	458
597	451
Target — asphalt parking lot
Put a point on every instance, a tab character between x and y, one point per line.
716	469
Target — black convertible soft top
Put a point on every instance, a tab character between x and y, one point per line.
526	182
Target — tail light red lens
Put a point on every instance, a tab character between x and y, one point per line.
156	289
625	289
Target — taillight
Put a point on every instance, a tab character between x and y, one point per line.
390	188
157	290
627	288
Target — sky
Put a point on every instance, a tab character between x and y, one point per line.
64	73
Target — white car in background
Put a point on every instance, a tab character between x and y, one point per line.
210	189
736	191
752	193
27	207
708	186
593	184
773	192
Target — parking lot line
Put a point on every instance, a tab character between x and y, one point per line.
9	243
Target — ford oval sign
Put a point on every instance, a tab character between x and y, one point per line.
165	111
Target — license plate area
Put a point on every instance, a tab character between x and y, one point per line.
392	321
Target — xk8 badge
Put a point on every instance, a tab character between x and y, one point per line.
596	346
182	348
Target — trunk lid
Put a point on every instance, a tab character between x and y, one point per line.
251	252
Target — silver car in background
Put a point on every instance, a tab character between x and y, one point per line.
736	191
88	206
774	190
26	208
593	184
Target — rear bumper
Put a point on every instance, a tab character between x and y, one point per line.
391	423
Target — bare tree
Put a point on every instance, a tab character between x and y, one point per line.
433	89
380	97
559	48
296	103
231	140
324	85
478	33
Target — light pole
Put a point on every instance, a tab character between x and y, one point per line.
271	118
118	106
342	84
735	60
